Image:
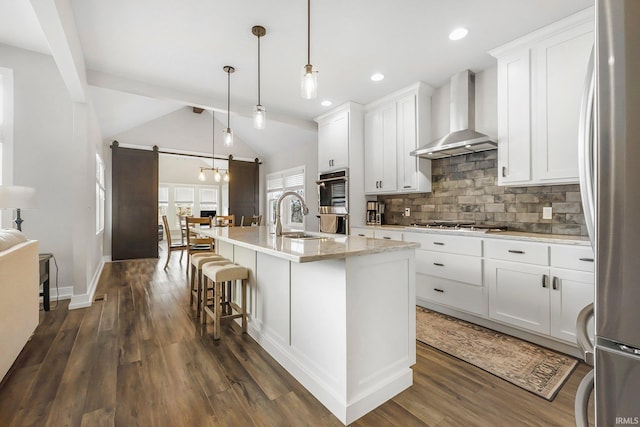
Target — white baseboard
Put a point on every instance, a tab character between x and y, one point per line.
63	292
85	300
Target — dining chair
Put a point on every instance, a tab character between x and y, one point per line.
196	243
229	220
255	220
183	227
171	246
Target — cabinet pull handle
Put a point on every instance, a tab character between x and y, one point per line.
361	235
545	280
438	264
504	171
438	243
554	283
438	290
407	186
377	184
386	237
513	251
586	259
380	184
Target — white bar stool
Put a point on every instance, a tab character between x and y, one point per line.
218	274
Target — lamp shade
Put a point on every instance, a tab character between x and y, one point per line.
17	197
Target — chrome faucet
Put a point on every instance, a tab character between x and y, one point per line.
305	209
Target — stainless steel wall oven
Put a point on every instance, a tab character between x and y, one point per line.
333	197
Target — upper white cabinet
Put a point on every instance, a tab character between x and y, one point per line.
394	126
333	141
541	79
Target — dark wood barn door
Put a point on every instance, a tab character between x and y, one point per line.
135	203
244	194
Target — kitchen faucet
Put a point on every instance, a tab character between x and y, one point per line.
305	209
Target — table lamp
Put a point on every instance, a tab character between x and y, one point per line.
17	197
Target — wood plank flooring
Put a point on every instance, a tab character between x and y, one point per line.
139	359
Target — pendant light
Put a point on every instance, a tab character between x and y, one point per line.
228	132
309	76
259	112
216	172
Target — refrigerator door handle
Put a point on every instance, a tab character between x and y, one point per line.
582	335
585	150
581	404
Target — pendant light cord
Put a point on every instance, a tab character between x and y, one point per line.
228	98
259	70
308	31
213	139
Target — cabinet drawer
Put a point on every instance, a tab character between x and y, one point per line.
453	294
461	268
387	234
572	257
445	243
513	250
363	232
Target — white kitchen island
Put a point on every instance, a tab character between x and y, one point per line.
338	313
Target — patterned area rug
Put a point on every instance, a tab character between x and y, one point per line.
535	369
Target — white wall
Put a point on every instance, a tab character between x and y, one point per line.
486	106
54	146
305	154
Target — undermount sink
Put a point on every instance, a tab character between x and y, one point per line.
300	235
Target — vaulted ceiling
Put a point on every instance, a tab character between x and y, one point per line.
150	57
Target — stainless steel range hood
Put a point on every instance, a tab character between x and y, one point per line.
462	138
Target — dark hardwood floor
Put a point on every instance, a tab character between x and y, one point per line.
138	359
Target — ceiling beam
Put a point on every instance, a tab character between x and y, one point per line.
59	28
219	105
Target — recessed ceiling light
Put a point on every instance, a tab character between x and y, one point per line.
326	103
458	33
377	77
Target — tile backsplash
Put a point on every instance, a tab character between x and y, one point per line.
466	188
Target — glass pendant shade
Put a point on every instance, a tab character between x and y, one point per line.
309	82
259	117
216	176
201	175
226	176
228	137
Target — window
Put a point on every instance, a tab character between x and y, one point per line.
208	199
163	202
184	199
279	182
100	191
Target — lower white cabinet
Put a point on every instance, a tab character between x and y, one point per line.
377	233
541	298
519	294
449	271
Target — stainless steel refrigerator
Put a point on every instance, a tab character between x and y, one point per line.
610	185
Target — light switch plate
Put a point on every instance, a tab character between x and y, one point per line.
407	211
547	213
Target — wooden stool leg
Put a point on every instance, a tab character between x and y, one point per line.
217	308
191	287
205	287
200	280
244	306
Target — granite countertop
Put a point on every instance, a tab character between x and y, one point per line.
328	246
511	235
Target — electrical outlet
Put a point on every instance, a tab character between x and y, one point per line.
407	211
547	213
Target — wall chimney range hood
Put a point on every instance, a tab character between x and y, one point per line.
462	138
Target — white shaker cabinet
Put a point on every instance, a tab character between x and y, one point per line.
380	149
539	287
540	85
394	126
333	141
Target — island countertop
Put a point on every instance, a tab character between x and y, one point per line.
328	246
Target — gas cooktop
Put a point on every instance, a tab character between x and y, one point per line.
458	226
